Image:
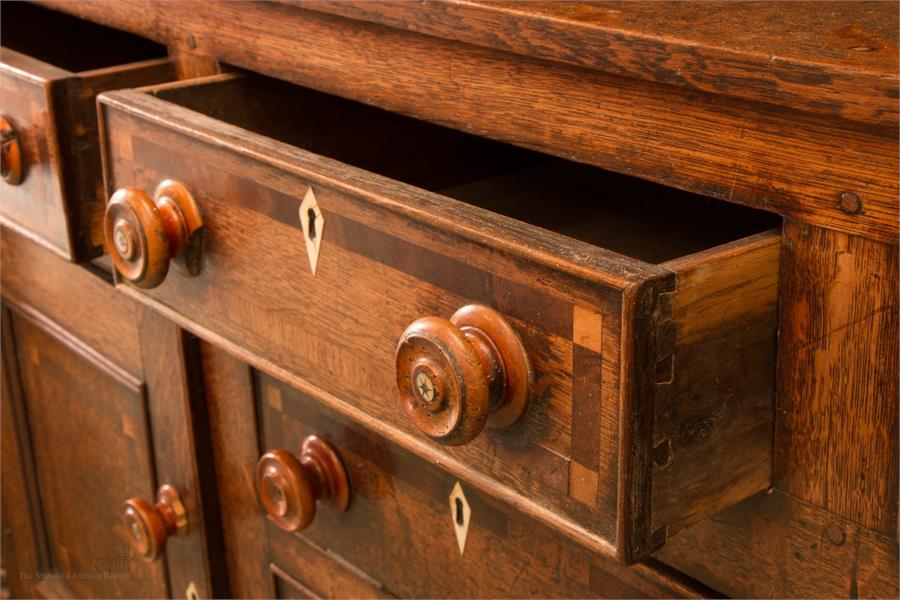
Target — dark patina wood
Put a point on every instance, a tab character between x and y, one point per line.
604	314
59	431
791	159
48	94
788	107
839	60
101	383
400	509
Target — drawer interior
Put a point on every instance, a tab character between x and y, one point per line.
68	42
637	218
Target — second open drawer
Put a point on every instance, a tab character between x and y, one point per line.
630	327
52	66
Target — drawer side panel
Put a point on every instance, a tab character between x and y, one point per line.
714	407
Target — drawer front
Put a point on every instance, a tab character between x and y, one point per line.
36	200
596	326
398	536
58	197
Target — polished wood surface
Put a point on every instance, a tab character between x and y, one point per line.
48	95
22	529
233	426
57	372
398	528
94	379
150	525
171	358
289	486
665	407
794	162
143	234
456	376
601	312
838	59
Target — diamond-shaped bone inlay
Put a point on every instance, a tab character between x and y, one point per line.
191	593
461	515
313	223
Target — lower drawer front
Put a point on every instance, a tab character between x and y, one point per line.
52	67
644	377
398	536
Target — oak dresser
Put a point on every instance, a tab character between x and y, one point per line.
459	298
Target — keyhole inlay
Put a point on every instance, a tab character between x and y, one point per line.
311	213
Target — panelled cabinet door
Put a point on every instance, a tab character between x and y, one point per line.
99	458
90	444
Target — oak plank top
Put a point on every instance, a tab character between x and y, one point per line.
834	58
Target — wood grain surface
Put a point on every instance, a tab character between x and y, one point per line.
26	106
50	97
788	107
72	338
109	402
834	58
792	162
837	432
398	532
774	545
228	392
183	454
345	343
31	276
713	421
24	539
86	537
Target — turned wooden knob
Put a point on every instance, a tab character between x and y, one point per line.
289	487
150	525
11	160
456	376
144	234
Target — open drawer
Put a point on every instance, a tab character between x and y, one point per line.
52	66
615	376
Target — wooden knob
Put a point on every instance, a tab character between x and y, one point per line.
150	525
289	487
456	376
144	234
11	161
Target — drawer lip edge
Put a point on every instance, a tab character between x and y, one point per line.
43	72
763	238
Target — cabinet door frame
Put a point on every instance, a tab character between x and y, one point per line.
137	348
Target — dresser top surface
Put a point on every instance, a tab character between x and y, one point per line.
852	35
779	106
836	58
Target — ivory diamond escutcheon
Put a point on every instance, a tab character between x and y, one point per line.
313	223
461	515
